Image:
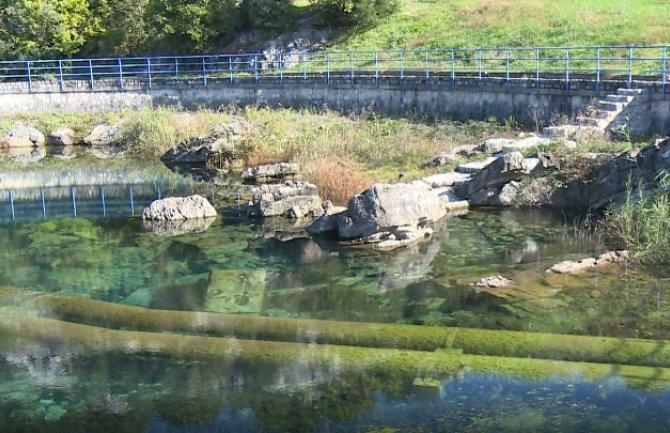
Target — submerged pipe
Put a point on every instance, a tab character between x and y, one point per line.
407	337
438	365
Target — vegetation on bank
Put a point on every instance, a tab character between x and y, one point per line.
64	28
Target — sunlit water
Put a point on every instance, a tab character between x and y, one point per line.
239	266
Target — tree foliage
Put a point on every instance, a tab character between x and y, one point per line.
356	13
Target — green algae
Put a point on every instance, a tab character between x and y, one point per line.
408	337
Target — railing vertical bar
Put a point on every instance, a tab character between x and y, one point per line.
425	64
537	68
132	201
351	66
11	204
230	67
204	72
102	197
44	206
665	70
507	66
73	194
327	67
479	65
630	67
176	68
281	66
255	67
30	78
598	69
149	72
60	75
376	67
90	73
567	69
304	67
402	68
453	68
120	72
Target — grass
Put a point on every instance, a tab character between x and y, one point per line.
491	23
643	223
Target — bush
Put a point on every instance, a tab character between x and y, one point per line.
354	13
337	180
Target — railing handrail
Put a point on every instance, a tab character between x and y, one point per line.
544	62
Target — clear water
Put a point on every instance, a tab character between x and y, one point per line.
238	267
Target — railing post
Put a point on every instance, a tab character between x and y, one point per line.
60	75
255	67
376	67
176	68
230	67
402	68
453	68
30	78
44	204
90	73
351	66
327	68
630	67
149	72
567	69
304	67
598	69
120	72
537	68
204	72
665	70
507	66
281	66
479	65
425	64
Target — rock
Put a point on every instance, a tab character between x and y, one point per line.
178	208
569	267
327	223
277	199
236	291
446	179
549	161
442	159
396	238
524	144
61	136
16	143
453	204
494	145
476	166
282	229
104	135
219	147
493	282
385	206
271	173
178	227
34	135
508	193
502	170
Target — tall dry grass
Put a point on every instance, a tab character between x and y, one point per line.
337	180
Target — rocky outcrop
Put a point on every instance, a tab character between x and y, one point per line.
178	227
569	267
21	135
502	170
494	282
301	198
271	173
105	135
218	147
385	206
179	208
61	136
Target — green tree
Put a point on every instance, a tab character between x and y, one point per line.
124	28
270	15
45	28
354	13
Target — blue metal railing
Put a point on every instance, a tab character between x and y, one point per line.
597	64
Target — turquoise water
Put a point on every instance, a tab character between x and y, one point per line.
240	267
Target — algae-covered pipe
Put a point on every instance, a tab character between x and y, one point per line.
410	337
438	365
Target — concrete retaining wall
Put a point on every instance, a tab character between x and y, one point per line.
461	100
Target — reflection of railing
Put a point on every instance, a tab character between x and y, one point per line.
628	64
78	201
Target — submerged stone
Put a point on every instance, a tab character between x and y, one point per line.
236	291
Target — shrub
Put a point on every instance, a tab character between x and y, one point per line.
337	180
354	13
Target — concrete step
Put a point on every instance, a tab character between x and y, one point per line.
620	98
630	92
610	106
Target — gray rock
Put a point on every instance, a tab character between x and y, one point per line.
34	135
443	159
61	136
493	282
494	145
397	238
446	179
16	143
105	135
524	144
508	194
278	199
569	267
178	208
502	170
476	166
271	173
327	223
385	206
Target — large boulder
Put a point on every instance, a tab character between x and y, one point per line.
301	198
61	136
179	208
271	173
327	223
500	171
387	206
27	133
104	135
